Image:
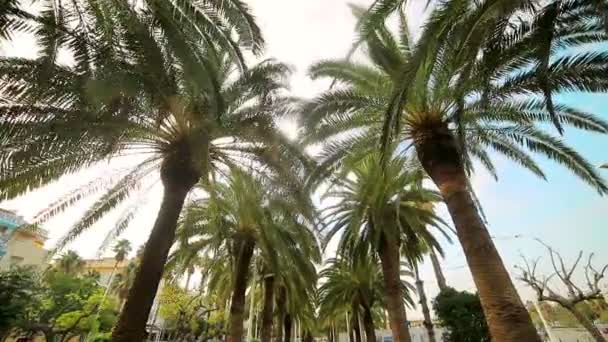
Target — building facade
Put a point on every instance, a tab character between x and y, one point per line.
104	267
20	243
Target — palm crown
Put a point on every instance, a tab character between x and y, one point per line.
70	263
376	203
121	250
354	282
149	91
499	108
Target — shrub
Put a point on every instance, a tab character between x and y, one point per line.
462	316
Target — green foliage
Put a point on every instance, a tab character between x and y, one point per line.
17	285
187	313
158	80
461	315
64	304
271	212
470	74
121	249
70	263
354	284
373	201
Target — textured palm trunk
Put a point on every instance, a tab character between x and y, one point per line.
188	278
282	311
237	305
390	261
131	326
288	324
441	283
586	323
426	313
354	323
308	336
368	324
507	317
268	309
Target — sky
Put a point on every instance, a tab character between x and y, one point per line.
563	211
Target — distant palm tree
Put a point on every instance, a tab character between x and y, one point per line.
124	280
356	285
70	263
384	209
251	216
121	249
481	79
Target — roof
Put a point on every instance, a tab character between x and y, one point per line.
11	219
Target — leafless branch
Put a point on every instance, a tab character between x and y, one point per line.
575	293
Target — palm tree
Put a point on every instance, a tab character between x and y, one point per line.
121	249
355	284
441	283
247	216
159	81
123	281
382	207
414	253
474	83
185	258
70	263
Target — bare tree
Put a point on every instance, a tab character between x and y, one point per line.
575	293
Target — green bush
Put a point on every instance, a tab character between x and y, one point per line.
105	337
462	316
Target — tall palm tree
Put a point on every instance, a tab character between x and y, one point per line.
480	79
123	281
355	283
121	249
185	258
383	208
159	81
70	263
414	253
441	282
247	216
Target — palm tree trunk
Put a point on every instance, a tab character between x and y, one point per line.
268	309
251	321
368	324
438	272
131	326
586	323
237	306
288	323
308	337
282	308
426	313
354	323
507	317
390	261
188	277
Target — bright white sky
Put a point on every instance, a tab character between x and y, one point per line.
298	32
